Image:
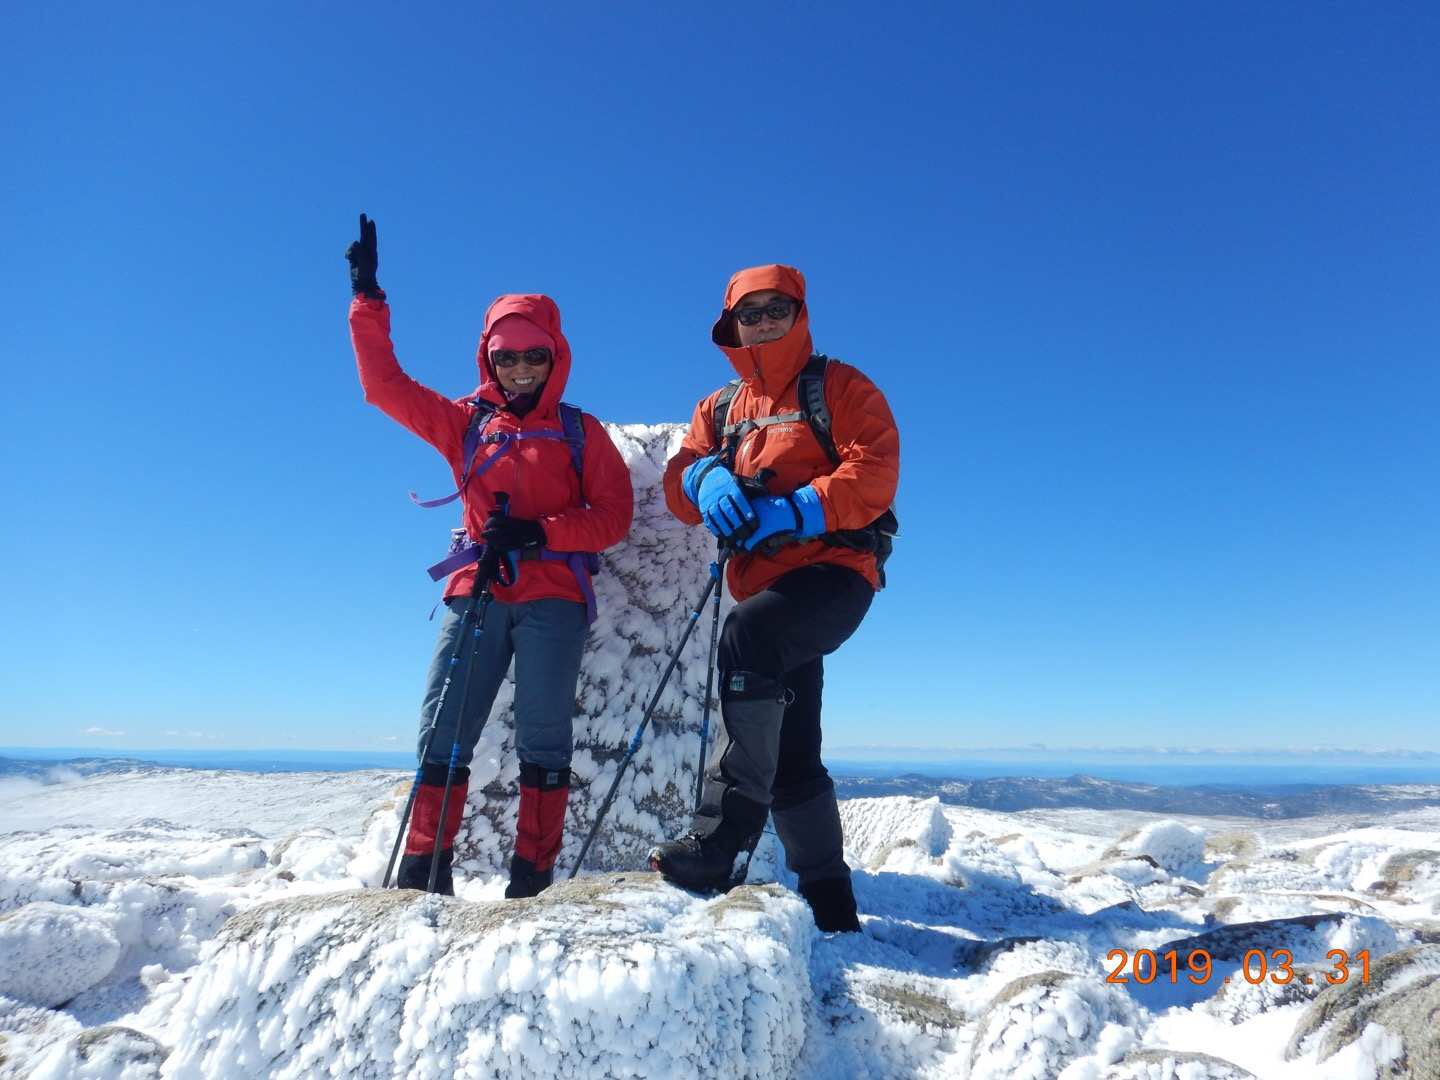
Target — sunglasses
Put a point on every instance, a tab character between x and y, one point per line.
776	309
508	358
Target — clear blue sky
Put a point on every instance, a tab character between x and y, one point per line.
1151	289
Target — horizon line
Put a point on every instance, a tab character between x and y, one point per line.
959	753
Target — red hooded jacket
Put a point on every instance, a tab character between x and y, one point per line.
537	473
853	494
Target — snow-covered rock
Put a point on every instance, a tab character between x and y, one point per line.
110	1052
25	1033
1172	1065
163	889
1393	1013
616	975
1039	1024
49	952
875	828
1174	847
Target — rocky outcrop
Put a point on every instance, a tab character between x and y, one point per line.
1399	1003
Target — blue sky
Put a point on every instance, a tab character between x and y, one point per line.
1151	290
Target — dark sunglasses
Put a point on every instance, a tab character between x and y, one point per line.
776	309
509	357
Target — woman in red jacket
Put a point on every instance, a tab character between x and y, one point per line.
804	506
565	501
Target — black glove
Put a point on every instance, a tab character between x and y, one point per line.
364	259
506	533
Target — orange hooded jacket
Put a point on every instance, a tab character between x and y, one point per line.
537	473
853	494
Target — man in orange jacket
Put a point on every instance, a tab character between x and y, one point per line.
800	518
566	501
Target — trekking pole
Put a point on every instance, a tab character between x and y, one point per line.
481	588
717	570
695	614
489	573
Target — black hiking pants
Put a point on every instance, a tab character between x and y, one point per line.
767	755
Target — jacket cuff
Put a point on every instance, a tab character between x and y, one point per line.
811	510
694	473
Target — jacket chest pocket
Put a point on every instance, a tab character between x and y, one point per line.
790	450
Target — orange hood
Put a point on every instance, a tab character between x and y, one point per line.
543	312
775	363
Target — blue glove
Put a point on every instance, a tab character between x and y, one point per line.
715	493
799	515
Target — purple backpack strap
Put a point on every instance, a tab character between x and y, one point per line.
463	551
582	564
474	437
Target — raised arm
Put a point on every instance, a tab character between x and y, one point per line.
429	414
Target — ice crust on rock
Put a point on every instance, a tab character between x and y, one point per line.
110	1052
1039	1024
613	975
1175	847
49	953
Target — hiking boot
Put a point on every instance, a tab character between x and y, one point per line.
696	861
525	880
414	873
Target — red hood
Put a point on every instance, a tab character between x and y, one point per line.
775	363
540	310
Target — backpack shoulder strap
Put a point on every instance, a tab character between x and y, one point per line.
481	412
721	412
719	417
811	391
572	422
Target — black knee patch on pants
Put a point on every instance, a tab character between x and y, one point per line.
751	686
436	773
538	776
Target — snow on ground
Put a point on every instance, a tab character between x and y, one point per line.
263	803
178	950
175	923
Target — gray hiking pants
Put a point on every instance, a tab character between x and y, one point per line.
545	638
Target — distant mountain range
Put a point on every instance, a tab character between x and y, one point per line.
62	772
1272	801
1009	793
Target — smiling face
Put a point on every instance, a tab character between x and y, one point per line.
764	304
523	377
